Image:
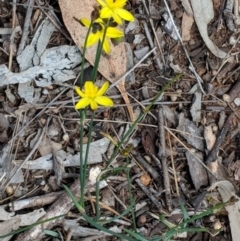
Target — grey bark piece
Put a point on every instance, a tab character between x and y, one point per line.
97	148
26	91
192	134
30	56
5	166
56	65
140	53
197	171
79	231
196	107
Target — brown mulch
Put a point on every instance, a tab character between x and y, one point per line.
177	125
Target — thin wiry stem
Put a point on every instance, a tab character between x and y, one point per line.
83	55
99	53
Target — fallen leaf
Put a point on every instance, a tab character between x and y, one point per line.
112	66
149	137
187	22
227	191
203	14
209	137
190	132
197	171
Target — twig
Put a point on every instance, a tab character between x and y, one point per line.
212	156
27	158
150	38
69	235
227	12
149	194
41	112
26	27
12	35
199	80
199	160
162	155
155	34
63	204
236	13
173	166
149	169
233	93
34	201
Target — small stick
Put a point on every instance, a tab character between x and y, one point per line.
212	157
198	78
236	13
34	201
159	64
162	155
12	35
149	169
154	32
149	194
27	158
26	27
69	234
233	93
173	166
227	12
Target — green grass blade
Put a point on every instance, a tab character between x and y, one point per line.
31	226
117	217
92	222
135	235
51	233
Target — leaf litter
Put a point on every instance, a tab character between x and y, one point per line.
36	93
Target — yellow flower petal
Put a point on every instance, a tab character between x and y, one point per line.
93	96
85	22
124	14
79	92
109	3
104	101
105	12
120	3
82	103
92	39
102	3
90	89
93	105
116	18
106	46
103	89
114	33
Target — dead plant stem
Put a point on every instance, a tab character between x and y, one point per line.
163	156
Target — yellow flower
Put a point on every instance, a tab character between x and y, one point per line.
93	96
114	9
98	32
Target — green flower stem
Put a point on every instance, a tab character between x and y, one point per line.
98	54
82	174
87	152
91	221
130	193
146	110
83	55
